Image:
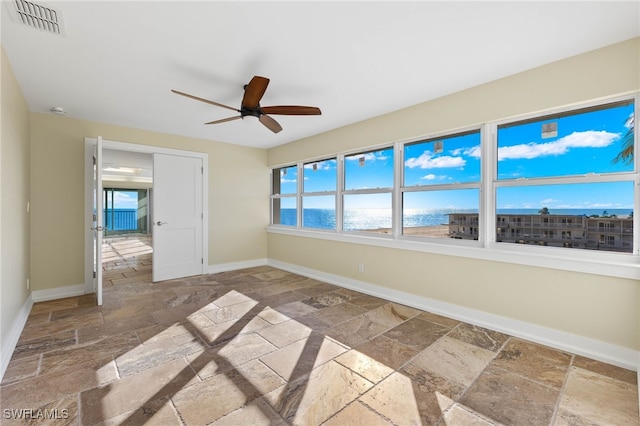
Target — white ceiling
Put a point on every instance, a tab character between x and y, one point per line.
117	61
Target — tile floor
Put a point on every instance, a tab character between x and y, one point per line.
264	346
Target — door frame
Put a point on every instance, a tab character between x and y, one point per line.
89	143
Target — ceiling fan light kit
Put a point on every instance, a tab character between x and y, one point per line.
250	106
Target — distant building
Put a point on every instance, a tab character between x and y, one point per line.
574	231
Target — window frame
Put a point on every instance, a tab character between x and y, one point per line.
608	263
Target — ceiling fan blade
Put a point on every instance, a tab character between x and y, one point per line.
291	110
224	120
205	100
270	123
254	91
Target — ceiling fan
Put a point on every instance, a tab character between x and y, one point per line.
253	92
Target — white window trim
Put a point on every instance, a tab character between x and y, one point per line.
621	265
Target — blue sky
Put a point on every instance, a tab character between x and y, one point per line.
124	199
578	145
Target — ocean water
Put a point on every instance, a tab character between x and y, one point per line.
381	218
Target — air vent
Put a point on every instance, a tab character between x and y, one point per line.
38	16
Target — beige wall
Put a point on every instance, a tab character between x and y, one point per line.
238	196
592	306
14	219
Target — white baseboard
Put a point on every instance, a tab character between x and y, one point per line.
58	293
9	345
594	349
224	267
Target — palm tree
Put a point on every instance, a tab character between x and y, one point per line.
543	211
626	155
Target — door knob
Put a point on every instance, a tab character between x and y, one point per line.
159	223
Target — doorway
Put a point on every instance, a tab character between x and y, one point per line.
120	183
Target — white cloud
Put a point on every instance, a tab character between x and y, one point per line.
588	139
431	176
428	161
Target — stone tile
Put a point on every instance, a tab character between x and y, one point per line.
369	368
416	333
325	300
130	393
281	299
387	351
608	370
595	398
233	312
355	414
357	330
368	302
217	334
295	309
536	362
54	305
510	398
334	315
405	401
21	368
43	389
114	327
479	336
312	399
26	348
222	394
35	331
317	289
438	319
454	360
458	415
157	352
245	347
231	298
273	316
256	413
159	412
299	358
285	333
71	357
392	314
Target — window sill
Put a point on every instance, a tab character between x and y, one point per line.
600	263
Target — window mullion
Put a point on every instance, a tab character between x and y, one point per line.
340	193
398	181
488	165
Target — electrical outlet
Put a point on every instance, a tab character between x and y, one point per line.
28	284
361	267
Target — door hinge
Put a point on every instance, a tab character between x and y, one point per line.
202	261
202	170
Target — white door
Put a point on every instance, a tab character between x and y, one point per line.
177	217
97	226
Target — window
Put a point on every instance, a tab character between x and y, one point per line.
567	167
126	211
284	191
319	194
368	188
565	180
441	182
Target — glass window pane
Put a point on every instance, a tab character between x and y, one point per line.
455	159
285	211
441	214
285	180
596	216
367	212
319	212
369	170
596	140
320	176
